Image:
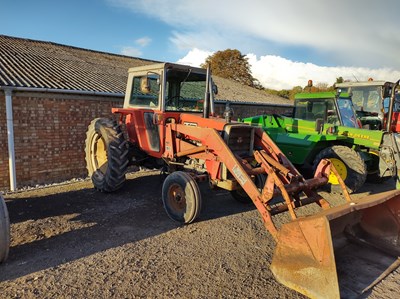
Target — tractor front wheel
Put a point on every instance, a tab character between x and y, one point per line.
241	196
4	230
106	154
349	164
181	197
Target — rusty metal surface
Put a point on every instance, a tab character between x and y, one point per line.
304	258
338	252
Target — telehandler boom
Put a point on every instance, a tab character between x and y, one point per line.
168	121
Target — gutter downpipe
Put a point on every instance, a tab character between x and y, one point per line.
10	121
10	138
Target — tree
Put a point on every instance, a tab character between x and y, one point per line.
296	89
339	80
231	64
319	87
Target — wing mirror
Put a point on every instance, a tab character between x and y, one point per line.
145	85
215	89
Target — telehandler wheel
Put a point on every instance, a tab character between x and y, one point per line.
106	154
4	230
241	196
348	163
374	177
181	197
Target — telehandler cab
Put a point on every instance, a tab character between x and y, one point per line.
168	120
372	100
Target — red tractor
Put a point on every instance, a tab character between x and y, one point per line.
168	121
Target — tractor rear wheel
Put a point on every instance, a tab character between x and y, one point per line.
4	230
241	196
181	197
348	163
106	154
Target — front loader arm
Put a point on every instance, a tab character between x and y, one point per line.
218	152
280	179
264	141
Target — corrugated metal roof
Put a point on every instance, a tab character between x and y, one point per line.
38	64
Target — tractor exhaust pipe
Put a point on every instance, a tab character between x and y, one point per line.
391	107
206	108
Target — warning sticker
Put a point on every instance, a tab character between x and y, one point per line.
240	176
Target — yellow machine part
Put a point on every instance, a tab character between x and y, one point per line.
338	252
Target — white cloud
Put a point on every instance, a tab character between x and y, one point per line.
134	51
280	73
344	32
143	42
195	57
131	51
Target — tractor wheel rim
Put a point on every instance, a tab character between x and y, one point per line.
99	153
176	198
341	169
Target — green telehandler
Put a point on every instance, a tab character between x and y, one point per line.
325	126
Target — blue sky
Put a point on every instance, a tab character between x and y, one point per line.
287	42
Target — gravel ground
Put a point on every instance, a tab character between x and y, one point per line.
70	241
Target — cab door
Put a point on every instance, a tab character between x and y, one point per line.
145	101
152	131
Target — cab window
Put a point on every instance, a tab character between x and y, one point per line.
185	91
145	91
317	109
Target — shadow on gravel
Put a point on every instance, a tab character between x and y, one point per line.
373	188
51	230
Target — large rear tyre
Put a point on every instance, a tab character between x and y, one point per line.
348	163
241	196
106	154
181	197
4	230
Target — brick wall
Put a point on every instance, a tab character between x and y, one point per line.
49	134
50	130
246	110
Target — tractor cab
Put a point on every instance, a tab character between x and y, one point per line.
157	95
167	88
326	107
371	100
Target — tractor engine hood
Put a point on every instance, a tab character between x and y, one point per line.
216	123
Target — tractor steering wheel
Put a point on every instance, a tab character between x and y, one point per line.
351	119
170	101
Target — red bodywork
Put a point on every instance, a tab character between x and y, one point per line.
195	137
395	122
305	258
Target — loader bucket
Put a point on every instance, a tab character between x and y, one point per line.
341	251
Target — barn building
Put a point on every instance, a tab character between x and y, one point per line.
49	93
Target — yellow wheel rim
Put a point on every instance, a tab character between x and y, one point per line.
341	169
99	153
